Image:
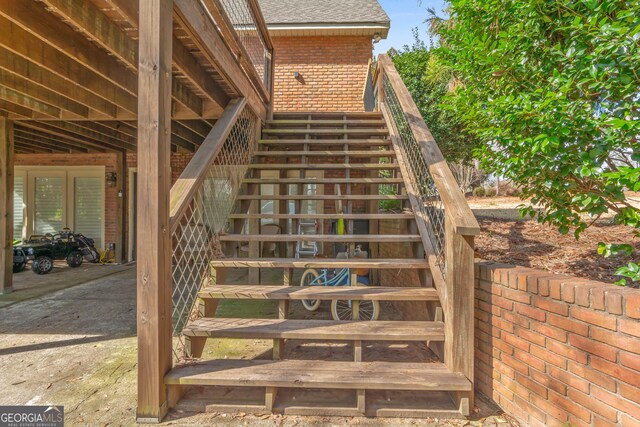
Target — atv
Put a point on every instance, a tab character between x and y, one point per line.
66	245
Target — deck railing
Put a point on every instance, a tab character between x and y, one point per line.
201	201
244	30
445	221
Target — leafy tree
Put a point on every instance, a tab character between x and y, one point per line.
428	80
551	90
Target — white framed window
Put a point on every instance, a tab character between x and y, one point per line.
50	198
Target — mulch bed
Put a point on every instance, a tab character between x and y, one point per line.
530	244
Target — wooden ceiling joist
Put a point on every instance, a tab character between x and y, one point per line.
35	135
48	144
13	109
57	128
25	87
52	81
17	98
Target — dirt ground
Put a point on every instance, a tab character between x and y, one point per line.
507	238
77	347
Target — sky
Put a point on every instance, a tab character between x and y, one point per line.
406	15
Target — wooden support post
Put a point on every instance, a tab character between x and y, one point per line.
194	346
458	310
6	205
121	189
270	398
278	343
154	183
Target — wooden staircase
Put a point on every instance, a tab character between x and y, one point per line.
353	151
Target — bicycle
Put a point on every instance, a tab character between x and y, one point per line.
340	309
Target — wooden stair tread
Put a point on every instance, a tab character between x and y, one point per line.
325	197
370	263
320	217
323	166
336	131
276	122
273	292
358	238
315	329
329	153
312	142
319	374
323	181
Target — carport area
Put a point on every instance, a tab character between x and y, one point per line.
28	285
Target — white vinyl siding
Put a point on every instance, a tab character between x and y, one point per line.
49	204
88	207
18	206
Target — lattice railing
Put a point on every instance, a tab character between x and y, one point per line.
429	200
195	232
246	25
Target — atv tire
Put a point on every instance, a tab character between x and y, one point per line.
74	259
42	265
18	267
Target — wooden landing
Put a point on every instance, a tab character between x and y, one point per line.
319	374
271	292
347	238
369	263
328	330
320	217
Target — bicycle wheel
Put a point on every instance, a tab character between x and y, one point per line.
307	277
343	310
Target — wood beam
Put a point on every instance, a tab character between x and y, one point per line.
47	144
36	135
98	27
55	129
6	205
26	44
39	147
154	184
15	110
49	80
14	97
187	64
90	135
41	94
196	22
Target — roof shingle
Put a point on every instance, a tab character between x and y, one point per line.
323	12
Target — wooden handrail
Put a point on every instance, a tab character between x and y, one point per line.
456	206
185	188
231	38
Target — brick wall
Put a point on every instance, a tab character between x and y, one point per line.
549	349
552	349
332	73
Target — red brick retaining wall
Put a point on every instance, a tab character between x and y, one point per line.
552	349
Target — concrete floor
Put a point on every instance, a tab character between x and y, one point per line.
77	347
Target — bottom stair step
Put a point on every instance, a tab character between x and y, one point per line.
330	330
319	374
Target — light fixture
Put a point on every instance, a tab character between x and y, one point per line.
112	179
376	38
